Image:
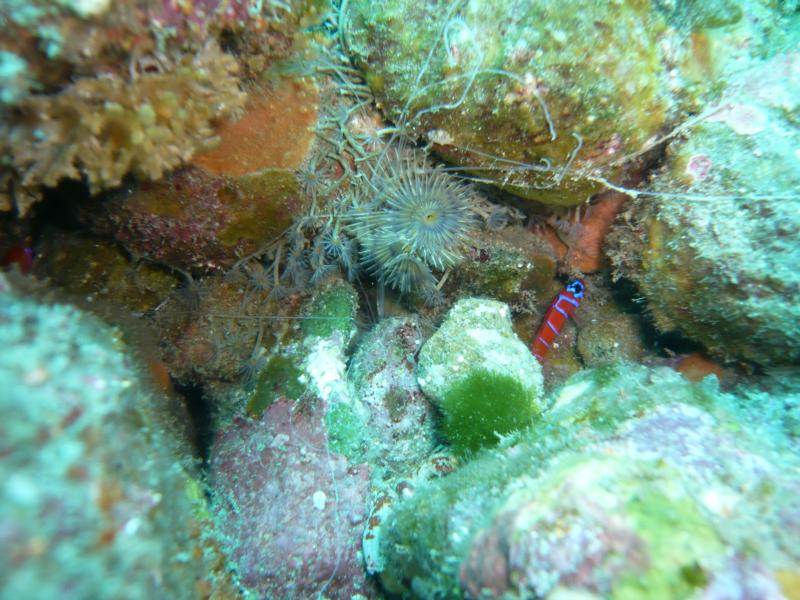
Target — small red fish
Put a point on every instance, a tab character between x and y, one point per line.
19	255
564	306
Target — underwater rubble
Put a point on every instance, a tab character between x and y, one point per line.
437	299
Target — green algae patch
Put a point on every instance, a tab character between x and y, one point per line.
482	407
483	379
331	310
346	429
280	377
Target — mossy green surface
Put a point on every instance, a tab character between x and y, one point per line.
679	540
331	310
481	376
347	430
278	378
643	532
624	487
482	407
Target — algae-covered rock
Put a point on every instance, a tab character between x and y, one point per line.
399	416
482	377
529	94
291	508
97	90
233	199
100	272
200	222
290	482
718	37
609	338
615	493
715	249
97	495
511	265
331	312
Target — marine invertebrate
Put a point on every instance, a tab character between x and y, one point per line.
417	220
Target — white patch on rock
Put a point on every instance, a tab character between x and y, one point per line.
319	499
744	119
572	392
325	369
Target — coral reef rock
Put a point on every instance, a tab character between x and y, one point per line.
615	493
400	417
98	501
714	249
478	372
292	510
532	95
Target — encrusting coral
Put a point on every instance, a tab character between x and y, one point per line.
103	128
